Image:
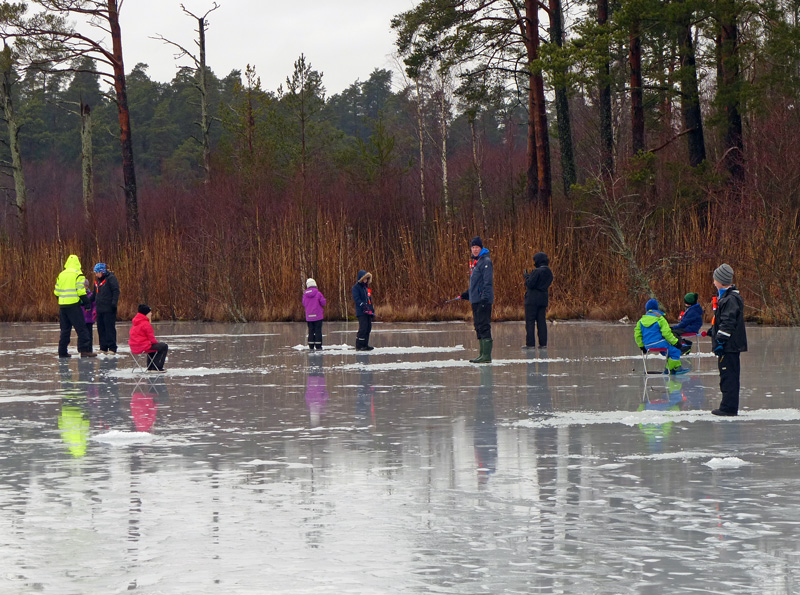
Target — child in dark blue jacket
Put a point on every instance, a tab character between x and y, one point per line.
690	322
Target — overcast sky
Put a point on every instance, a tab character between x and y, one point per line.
344	39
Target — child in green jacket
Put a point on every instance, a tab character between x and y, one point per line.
653	332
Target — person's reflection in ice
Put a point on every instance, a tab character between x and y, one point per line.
146	397
316	390
669	399
73	419
539	396
694	392
104	402
365	407
485	432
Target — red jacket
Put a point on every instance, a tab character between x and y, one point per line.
142	336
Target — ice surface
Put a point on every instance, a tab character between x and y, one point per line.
256	466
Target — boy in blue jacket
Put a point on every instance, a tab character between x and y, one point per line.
690	322
653	332
365	311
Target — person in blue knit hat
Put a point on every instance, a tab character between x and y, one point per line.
653	332
106	297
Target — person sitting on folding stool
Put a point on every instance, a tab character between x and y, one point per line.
653	332
690	322
143	340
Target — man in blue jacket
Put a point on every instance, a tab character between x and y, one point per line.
365	311
481	297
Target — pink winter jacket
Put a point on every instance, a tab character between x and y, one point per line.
313	301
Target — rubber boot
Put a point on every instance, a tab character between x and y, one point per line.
478	359
486	353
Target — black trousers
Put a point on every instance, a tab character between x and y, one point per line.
90	328
482	319
70	317
314	334
729	371
155	361
364	329
107	330
535	319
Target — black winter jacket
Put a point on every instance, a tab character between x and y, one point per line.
361	295
106	293
538	281
728	326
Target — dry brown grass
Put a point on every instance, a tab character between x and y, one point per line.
257	271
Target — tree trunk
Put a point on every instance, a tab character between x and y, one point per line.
604	93
690	95
729	89
476	163
637	96
421	132
443	118
542	137
568	175
87	161
128	170
533	168
203	86
20	188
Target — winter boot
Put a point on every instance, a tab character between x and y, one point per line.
486	353
482	349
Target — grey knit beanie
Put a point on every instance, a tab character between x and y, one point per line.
724	274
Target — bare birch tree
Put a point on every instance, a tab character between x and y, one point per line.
201	84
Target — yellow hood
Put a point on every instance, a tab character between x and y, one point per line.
73	263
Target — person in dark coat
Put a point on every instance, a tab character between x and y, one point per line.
106	290
365	311
728	339
690	321
537	285
481	297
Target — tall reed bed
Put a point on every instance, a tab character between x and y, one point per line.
254	267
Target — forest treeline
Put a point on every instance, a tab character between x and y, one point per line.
638	142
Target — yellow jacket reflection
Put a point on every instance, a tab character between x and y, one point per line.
74	427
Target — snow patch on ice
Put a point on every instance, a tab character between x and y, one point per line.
326	348
204	336
621	358
684	455
726	463
119	438
14	397
445	363
286	464
347	349
633	418
173	372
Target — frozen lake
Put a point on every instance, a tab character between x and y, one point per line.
256	467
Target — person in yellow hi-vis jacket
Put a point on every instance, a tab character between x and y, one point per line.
71	292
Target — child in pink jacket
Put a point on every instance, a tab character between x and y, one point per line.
313	302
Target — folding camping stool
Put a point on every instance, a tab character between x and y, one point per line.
651	374
139	362
695	346
660	350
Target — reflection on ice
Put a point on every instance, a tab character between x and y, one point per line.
255	467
